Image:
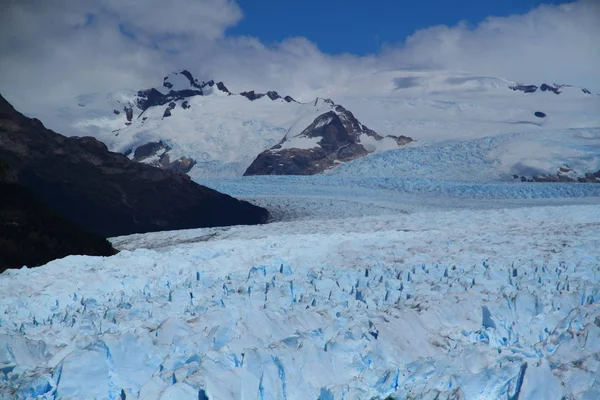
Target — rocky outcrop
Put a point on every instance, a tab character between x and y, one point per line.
221	86
332	138
524	88
252	95
31	234
187	88
544	87
151	149
170	107
157	155
105	193
533	88
540	114
152	97
564	174
550	88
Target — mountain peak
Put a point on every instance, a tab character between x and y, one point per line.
181	85
333	137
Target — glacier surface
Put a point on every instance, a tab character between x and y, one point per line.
454	303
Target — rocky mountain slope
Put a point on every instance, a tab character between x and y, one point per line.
334	137
106	193
31	234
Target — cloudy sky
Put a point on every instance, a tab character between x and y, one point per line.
53	51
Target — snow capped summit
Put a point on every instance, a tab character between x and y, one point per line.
334	136
181	81
178	86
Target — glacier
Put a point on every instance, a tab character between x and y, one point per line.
453	303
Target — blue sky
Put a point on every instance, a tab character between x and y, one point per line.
362	26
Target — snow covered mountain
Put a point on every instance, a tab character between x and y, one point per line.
332	138
203	128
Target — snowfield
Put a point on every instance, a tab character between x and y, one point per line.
473	304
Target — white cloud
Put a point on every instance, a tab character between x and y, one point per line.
50	52
551	43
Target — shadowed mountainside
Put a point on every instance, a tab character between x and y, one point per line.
32	235
106	193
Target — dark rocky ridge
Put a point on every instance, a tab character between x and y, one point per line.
554	89
106	193
564	174
252	95
339	132
524	88
31	234
544	87
152	97
160	151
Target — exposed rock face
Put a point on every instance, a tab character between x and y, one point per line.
182	165
273	95
128	112
333	137
167	112
540	114
554	89
590	177
182	90
221	86
544	87
152	97
251	95
157	155
106	193
193	82
564	174
149	150
31	234
524	88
